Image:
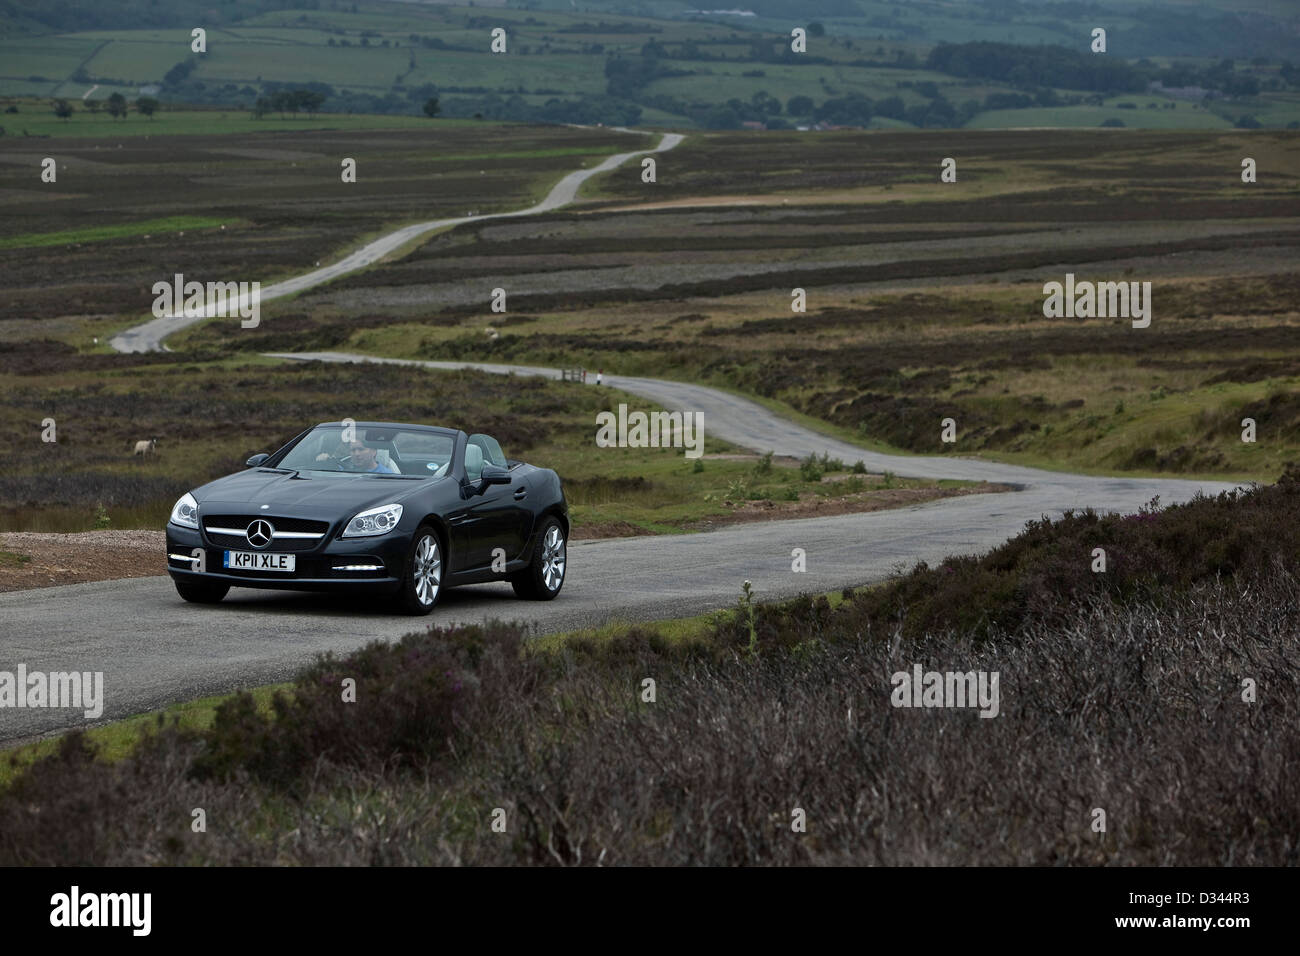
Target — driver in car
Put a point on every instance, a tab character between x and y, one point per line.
362	458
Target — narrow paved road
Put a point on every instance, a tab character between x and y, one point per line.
746	423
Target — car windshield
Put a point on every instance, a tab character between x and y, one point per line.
379	451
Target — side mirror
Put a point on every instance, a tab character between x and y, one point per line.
495	475
256	460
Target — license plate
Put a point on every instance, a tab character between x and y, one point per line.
257	561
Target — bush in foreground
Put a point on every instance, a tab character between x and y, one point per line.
1048	567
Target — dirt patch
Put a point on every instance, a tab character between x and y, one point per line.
596	530
811	507
876	500
31	559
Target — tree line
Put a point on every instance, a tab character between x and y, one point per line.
115	106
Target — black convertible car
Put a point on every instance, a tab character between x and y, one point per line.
371	507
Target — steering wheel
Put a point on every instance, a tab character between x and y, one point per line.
342	461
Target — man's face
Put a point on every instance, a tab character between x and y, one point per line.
363	458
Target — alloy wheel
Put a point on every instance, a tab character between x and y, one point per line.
553	558
428	570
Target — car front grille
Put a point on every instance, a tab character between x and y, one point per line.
291	534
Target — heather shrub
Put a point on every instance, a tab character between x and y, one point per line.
1048	567
415	700
73	809
1138	709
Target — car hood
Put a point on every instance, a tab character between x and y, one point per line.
301	494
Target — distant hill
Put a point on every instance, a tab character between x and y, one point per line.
866	63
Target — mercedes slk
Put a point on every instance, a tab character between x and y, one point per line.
373	508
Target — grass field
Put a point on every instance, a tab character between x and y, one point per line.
280	193
728	80
1092	116
210	415
924	299
103	233
49	57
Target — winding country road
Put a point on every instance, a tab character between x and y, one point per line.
155	649
148	337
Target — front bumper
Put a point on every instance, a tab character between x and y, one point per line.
355	565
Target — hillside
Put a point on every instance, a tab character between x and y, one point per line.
862	64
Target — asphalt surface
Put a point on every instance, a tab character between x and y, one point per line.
154	649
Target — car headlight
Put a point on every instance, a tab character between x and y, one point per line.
186	512
379	520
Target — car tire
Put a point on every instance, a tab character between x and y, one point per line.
422	584
544	576
201	592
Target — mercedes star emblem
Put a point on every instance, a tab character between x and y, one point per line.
260	533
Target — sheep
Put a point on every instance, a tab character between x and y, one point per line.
149	447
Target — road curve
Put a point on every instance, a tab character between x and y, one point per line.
154	649
148	337
744	422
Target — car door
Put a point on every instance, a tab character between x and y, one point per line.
503	511
490	525
480	523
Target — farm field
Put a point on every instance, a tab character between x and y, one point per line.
1094	116
673	68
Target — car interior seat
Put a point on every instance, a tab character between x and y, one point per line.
491	448
473	462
